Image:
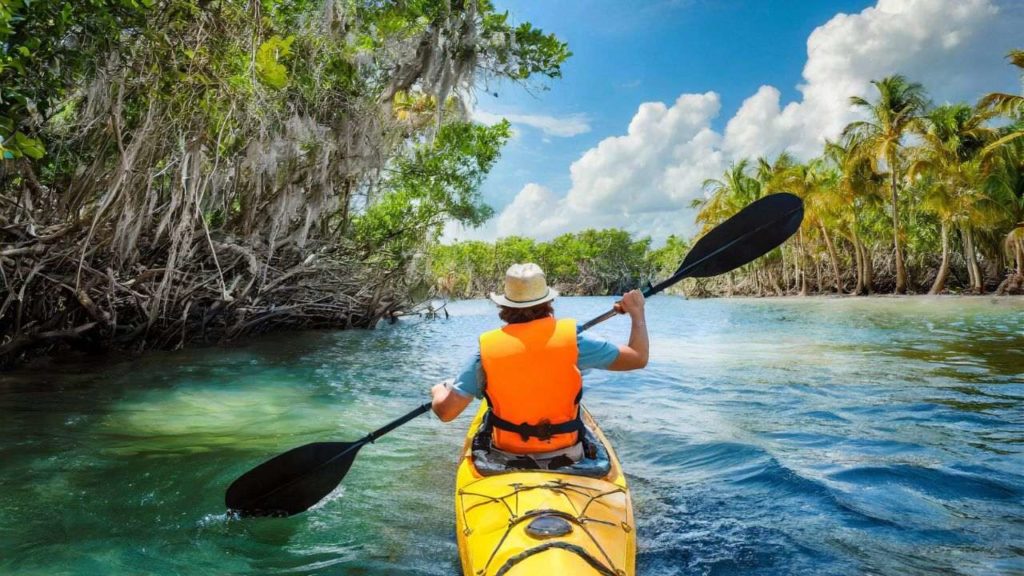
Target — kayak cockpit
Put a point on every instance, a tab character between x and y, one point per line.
594	464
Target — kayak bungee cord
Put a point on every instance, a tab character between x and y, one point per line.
578	518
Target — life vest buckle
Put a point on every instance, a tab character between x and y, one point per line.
542	430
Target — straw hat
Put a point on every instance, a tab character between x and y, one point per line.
525	286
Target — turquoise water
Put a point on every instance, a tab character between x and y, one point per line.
818	436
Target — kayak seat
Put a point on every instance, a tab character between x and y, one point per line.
595	462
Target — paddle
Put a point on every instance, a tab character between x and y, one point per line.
759	228
292	482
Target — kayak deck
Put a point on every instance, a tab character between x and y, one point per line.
543	522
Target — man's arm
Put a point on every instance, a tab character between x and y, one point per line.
633	355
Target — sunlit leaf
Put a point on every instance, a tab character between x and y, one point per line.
269	68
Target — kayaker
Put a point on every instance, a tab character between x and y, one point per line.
530	369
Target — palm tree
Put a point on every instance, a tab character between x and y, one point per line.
1011	105
726	196
952	138
1015	246
1006	184
880	138
858	185
771	176
1010	157
804	180
817	183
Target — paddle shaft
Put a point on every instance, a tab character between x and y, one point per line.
682	273
421	409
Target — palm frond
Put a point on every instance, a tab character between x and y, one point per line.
1006	104
859	102
1003	141
1016	58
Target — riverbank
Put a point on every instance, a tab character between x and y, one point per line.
85	353
1010	285
232	293
611	261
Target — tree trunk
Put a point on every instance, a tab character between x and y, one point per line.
801	273
1019	255
858	254
774	283
832	257
858	265
785	271
967	259
901	271
972	262
940	278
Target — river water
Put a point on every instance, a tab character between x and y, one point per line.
815	436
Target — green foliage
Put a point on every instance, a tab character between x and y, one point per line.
666	260
513	249
21	145
606	261
237	73
522	51
269	56
250	155
41	44
437	181
893	183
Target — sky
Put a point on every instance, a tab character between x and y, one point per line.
661	95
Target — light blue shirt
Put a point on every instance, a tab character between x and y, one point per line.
593	353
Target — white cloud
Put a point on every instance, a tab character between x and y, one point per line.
955	48
565	127
761	128
647	169
645	179
535	211
642	181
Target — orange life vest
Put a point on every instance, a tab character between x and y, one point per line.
533	385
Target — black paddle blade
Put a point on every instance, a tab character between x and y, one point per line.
749	234
292	482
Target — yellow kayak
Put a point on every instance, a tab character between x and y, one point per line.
573	521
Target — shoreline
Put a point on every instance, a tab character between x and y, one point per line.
113	354
856	296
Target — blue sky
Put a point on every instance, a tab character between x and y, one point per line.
703	83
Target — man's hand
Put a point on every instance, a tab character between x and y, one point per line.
446	402
633	355
632	303
439	391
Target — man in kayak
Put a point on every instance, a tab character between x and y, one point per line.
529	370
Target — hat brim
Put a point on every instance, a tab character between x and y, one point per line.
500	300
